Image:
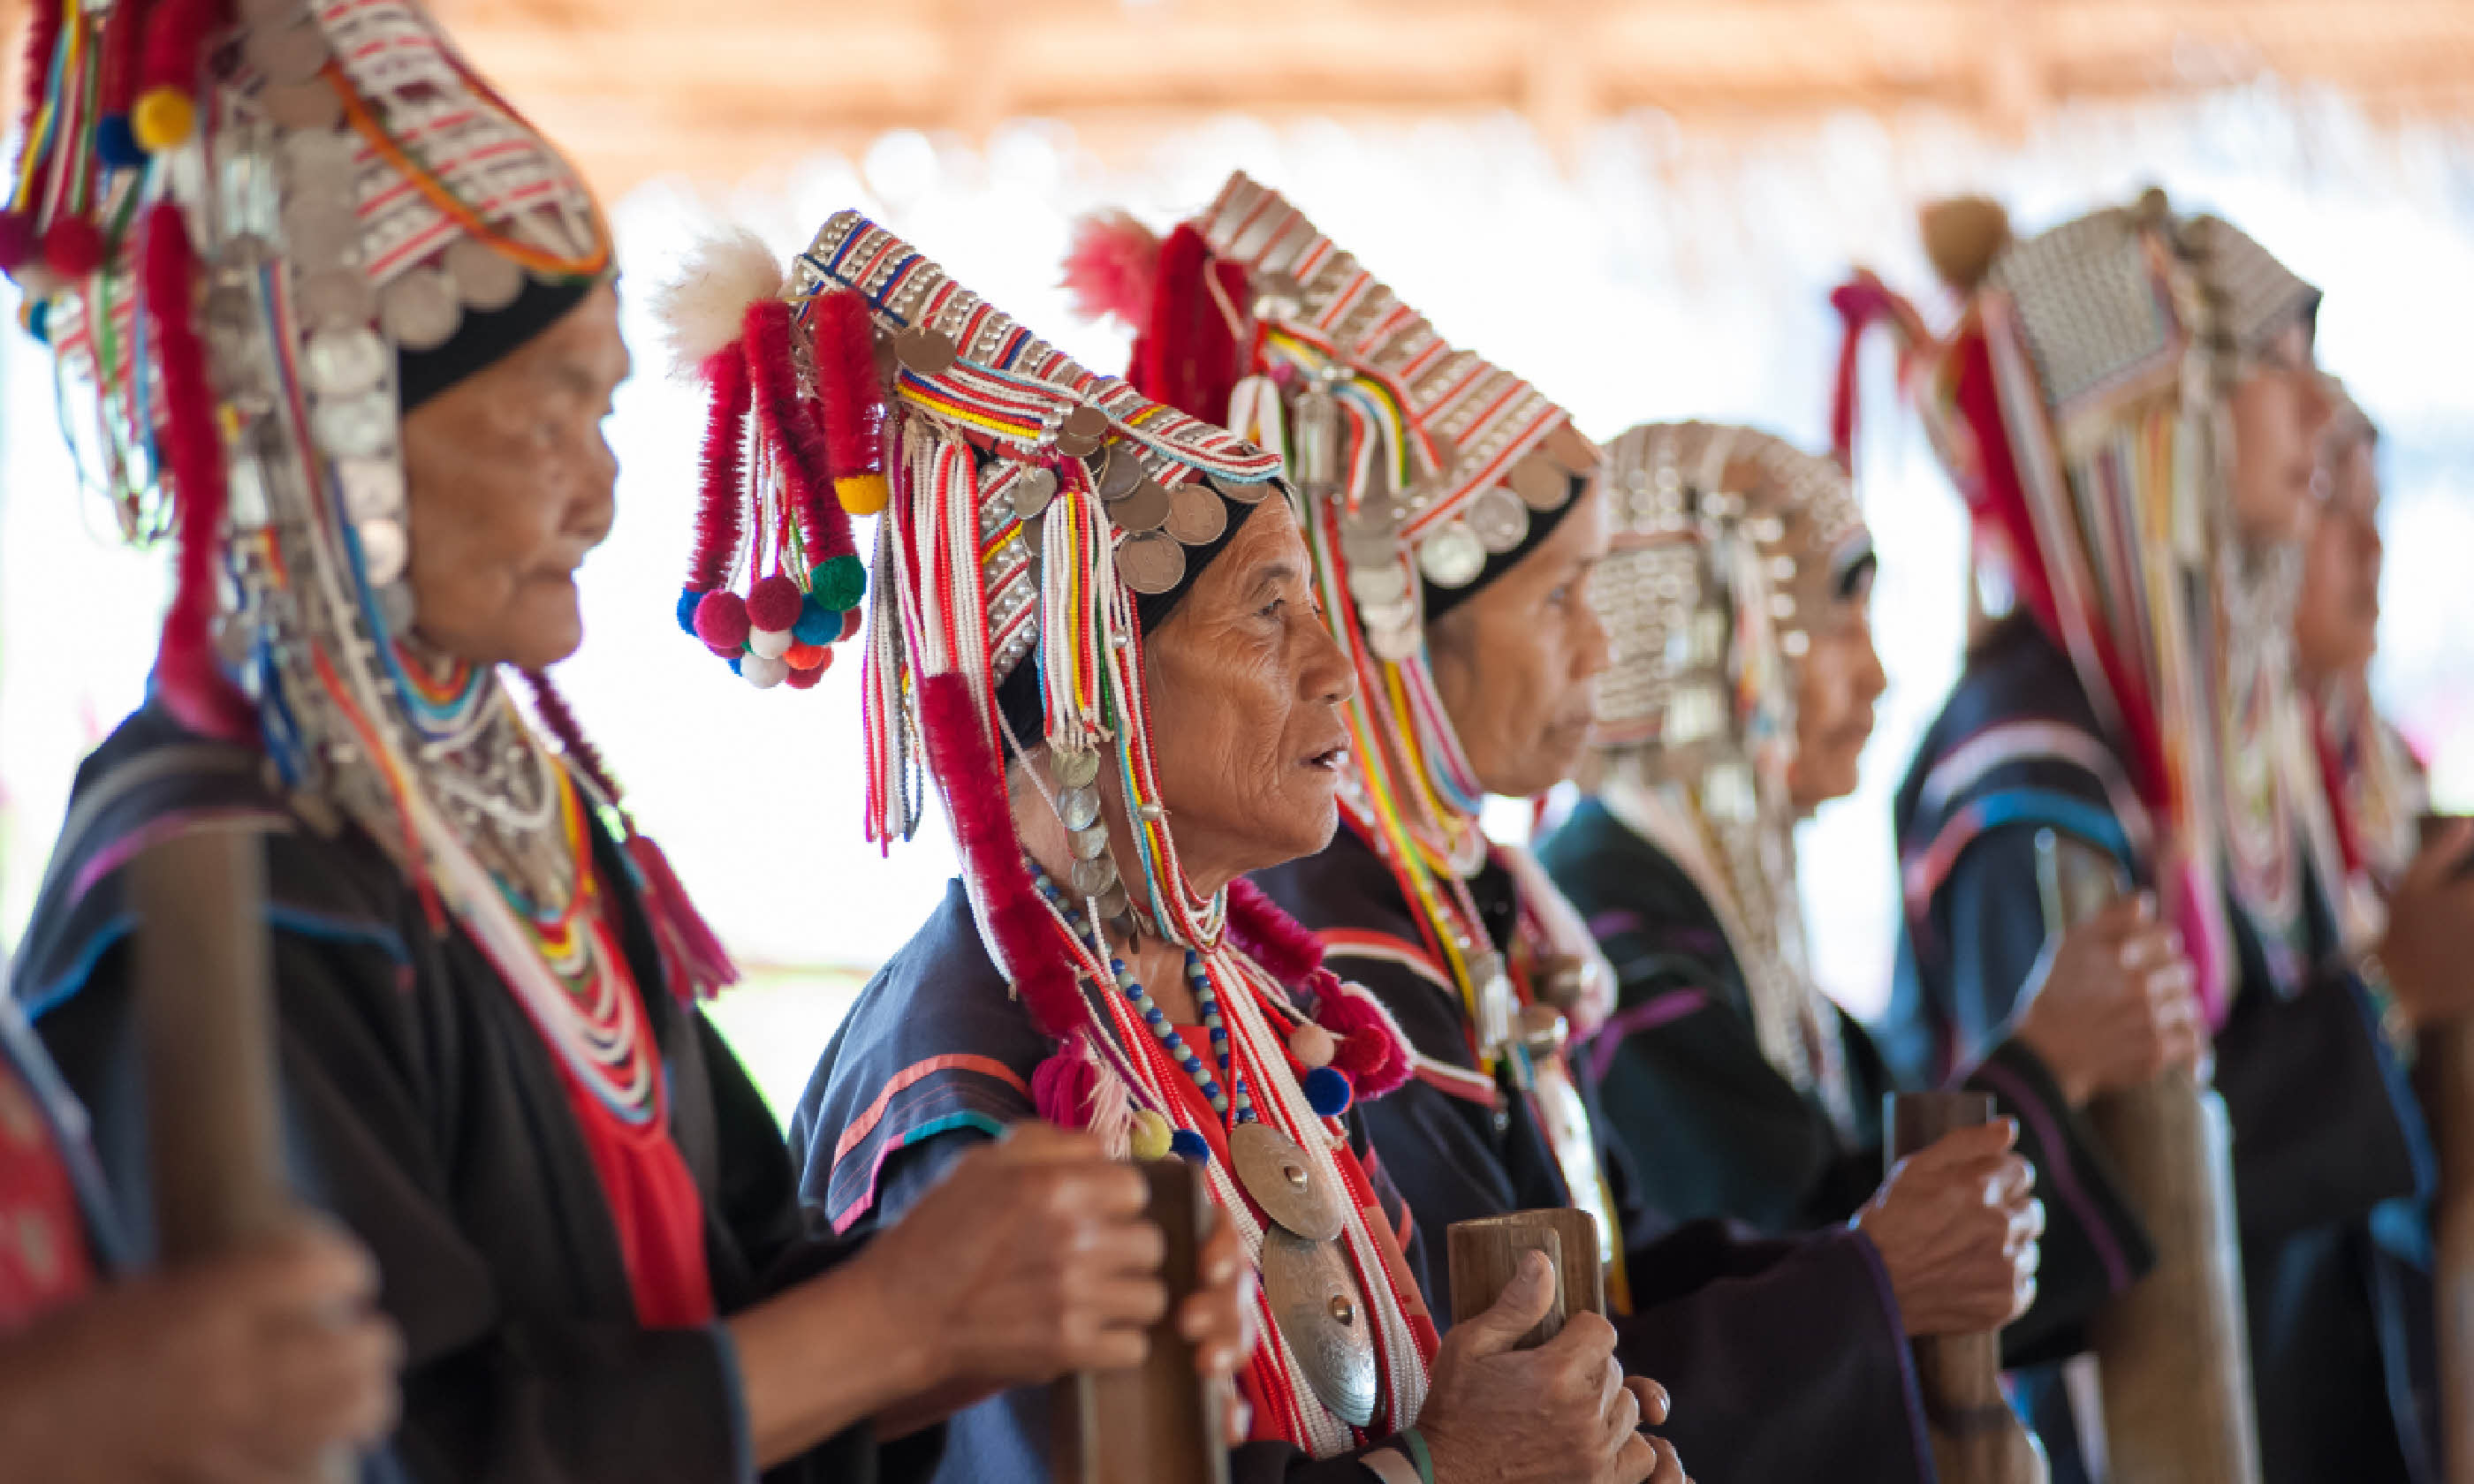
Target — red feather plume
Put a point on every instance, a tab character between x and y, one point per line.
1112	267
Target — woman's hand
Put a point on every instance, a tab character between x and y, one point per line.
1560	1414
1219	1320
2117	1005
247	1369
2429	951
1956	1227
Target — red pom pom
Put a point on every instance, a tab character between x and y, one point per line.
1370	1050
1062	1085
18	240
850	625
773	604
721	620
73	247
724	651
805	680
806	657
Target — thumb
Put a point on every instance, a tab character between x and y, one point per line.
1524	1301
1967	1145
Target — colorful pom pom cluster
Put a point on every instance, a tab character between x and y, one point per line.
819	460
106	89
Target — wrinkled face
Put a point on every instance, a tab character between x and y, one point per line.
2280	409
1247	688
1836	682
2336	624
1514	663
509	484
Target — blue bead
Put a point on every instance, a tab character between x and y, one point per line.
117	143
1328	1092
1190	1146
688	598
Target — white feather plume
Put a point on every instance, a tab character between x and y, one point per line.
701	310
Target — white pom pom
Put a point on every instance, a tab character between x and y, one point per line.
767	643
762	673
701	310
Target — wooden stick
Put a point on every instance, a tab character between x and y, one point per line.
2444	1075
206	1029
2173	1352
1977	1438
1157	1422
1485	1255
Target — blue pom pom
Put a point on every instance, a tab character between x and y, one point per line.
117	143
1328	1092
816	625
734	662
38	321
1189	1146
688	598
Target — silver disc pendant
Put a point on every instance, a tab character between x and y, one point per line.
1243	492
1315	1301
1145	508
1033	489
420	310
373	488
1075	768
1089	844
342	362
1378	585
1092	877
1196	515
1499	519
1397	643
1078	807
1452	557
1151	563
1284	1180
355	427
1120	472
1088	423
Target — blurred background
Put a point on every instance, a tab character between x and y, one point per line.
1640	206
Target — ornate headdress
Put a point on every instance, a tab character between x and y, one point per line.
1425	472
1728	544
2080	407
1039	522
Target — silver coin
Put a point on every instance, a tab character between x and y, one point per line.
1368	545
1402	614
320	229
1031	490
395	607
1540	482
1089	844
1091	878
1196	515
344	362
383	550
1078	807
1499	519
1120	472
924	351
1285	1182
371	486
286	53
1451	556
1113	901
1243	492
313	105
1144	509
1397	643
420	310
1075	767
351	427
485	279
334	297
1088	423
1073	446
1315	1301
1151	563
322	162
1378	583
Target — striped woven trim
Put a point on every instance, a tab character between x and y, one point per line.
1922	873
1342	943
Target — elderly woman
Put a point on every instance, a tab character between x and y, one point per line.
1740	699
1455	526
381	434
1097	616
2134	373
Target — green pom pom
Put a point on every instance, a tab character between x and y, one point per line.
838	583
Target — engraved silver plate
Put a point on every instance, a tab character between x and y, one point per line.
1033	489
484	278
344	362
1285	1182
1499	519
1243	492
383	550
1078	807
1151	563
1196	515
1144	509
1322	1317
1075	768
1452	555
421	310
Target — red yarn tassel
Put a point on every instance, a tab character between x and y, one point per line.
1197	343
1367	1042
964	761
188	676
846	382
1863	301
1061	1086
718	496
789	428
175	35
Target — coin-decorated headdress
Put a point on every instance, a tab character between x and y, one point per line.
1727	544
2079	404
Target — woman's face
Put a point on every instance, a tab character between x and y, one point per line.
1837	681
509	484
1514	663
2280	410
2336	624
1247	688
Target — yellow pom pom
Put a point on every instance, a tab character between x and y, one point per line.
1151	1134
163	120
862	494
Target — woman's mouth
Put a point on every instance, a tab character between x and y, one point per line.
1330	760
